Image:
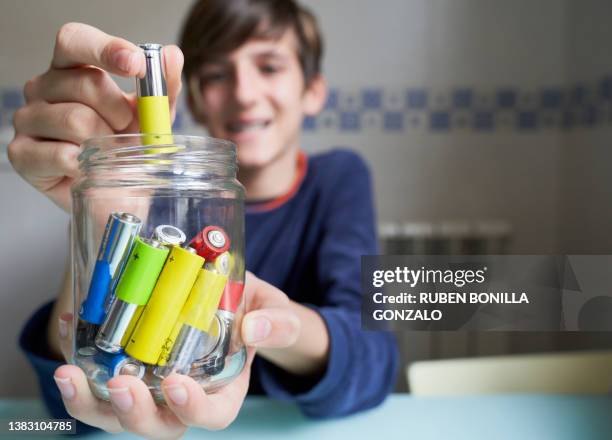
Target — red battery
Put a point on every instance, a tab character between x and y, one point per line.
232	295
210	242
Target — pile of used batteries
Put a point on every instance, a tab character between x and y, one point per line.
156	303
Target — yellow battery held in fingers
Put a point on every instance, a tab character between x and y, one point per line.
164	307
199	309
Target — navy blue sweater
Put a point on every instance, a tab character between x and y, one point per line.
309	247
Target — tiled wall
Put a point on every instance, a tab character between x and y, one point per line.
422	109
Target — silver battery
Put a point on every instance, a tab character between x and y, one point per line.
213	362
117	321
221	265
153	83
183	352
129	366
169	235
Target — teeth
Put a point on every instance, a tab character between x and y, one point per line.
238	127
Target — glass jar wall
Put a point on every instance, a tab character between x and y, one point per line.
158	261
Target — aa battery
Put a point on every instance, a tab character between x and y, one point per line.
120	363
169	235
164	307
210	242
121	230
134	289
197	313
213	363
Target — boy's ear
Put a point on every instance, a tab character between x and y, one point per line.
315	95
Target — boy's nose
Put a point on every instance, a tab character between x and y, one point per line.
247	86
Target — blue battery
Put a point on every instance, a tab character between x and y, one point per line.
120	363
119	234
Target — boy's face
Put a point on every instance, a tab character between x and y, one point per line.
255	97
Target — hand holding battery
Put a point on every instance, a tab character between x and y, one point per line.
77	99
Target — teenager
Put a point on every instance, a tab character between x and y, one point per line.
252	68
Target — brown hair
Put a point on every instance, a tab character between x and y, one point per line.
216	27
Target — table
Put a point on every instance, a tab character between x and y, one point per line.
539	417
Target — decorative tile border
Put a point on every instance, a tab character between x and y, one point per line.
459	109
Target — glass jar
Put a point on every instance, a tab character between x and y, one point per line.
158	261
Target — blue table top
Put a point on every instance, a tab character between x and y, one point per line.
403	416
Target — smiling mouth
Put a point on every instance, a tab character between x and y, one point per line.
245	127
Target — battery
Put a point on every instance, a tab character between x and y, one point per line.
120	363
198	311
134	289
119	234
169	235
152	101
210	242
161	312
212	363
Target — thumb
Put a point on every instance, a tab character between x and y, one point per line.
173	68
65	334
270	328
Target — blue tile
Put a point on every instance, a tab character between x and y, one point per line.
416	98
440	121
309	123
393	121
551	98
463	98
372	99
332	100
12	99
527	120
605	88
349	121
483	121
506	98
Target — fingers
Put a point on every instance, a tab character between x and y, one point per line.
90	86
271	328
190	403
81	403
65	335
66	121
173	66
79	44
137	412
43	158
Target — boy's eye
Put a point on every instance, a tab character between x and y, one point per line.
270	68
213	77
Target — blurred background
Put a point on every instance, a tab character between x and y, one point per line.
486	124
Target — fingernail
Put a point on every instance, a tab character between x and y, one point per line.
65	386
121	398
124	59
257	329
63	328
177	393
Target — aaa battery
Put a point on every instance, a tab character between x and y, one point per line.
161	312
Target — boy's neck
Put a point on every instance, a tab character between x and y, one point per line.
271	181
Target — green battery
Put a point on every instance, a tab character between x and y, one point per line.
134	289
164	306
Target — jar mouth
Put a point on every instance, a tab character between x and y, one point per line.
162	152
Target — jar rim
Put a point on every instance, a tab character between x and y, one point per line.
126	151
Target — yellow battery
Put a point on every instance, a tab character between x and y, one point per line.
164	307
154	117
199	310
